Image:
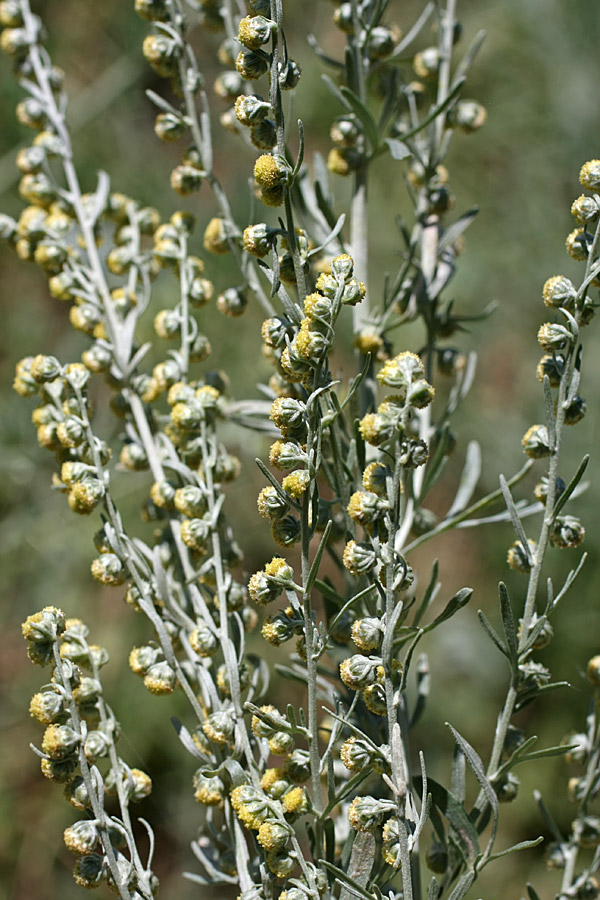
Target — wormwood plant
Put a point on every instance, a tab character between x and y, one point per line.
326	795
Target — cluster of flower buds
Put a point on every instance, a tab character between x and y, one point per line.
558	367
269	810
80	731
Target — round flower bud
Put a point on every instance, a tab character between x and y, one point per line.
264	134
391	843
468	115
219	726
109	570
559	291
60	741
273	836
286	455
228	85
281	743
555	856
274	783
506	788
270	172
518	560
551	366
160	678
46	707
436	857
367	634
258	240
289	74
11	14
593	670
280	863
190	500
162	53
375	477
414	453
589	175
554	337
232	302
567	532
76	793
31	114
251	65
271	504
536	443
359	557
89	871
374	697
254	31
295	802
186	180
85	495
250	109
152	10
427	62
217	236
358	672
44	626
208	791
169	127
195	533
585	210
580	750
297	766
280	628
203	641
250	805
365	507
401	371
357	755
382	41
296	483
285	532
366	813
575	411
96	746
343	160
578	244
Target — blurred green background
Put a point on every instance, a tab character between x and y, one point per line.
537	75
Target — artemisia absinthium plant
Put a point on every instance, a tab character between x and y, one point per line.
329	796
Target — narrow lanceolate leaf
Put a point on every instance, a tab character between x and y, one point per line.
550	823
522	845
533	894
430	593
460	599
514	517
476	765
360	865
508	622
468	479
492	633
314	569
568	491
398	149
456	815
455	230
462	886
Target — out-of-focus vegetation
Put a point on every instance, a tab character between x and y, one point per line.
537	75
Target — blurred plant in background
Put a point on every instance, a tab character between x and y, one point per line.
331	792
